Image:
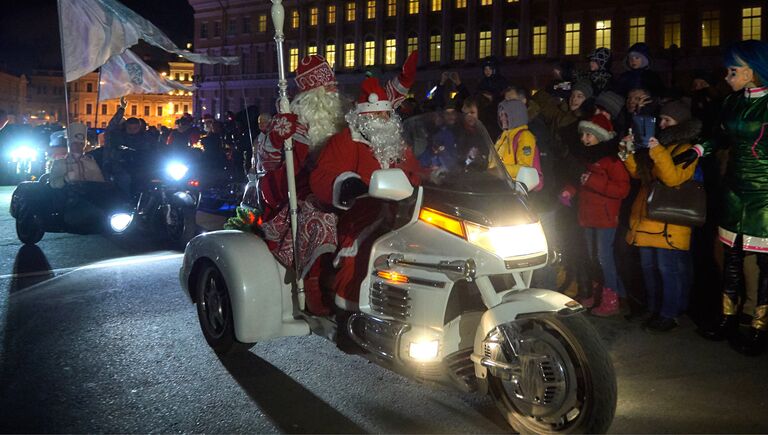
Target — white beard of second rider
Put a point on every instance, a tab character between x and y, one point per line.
322	112
385	136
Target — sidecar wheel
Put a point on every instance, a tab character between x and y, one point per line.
567	382
29	229
214	311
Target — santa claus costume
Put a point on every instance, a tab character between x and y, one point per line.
373	140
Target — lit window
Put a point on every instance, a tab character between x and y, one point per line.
311	50
461	4
512	42
391	8
413	44
313	16
512	1
486	2
671	30
572	38
484	46
369	53
603	33
293	59
295	19
350	11
390	51
539	40
370	10
710	29
751	23
437	5
330	53
636	30
262	23
331	14
413	7
434	48
459	46
349	55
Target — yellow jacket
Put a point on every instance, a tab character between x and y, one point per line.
526	149
646	232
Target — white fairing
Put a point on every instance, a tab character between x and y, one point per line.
528	176
390	184
261	300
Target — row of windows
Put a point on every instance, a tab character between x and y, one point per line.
710	37
134	109
244	24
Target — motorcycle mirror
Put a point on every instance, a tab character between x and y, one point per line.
390	184
528	176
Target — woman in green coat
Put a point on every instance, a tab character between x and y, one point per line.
744	224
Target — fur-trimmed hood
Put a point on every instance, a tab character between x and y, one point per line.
684	133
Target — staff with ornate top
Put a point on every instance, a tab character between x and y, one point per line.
278	19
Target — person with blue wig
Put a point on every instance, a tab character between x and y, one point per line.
743	226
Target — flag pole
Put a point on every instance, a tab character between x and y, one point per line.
247	118
63	60
98	94
278	19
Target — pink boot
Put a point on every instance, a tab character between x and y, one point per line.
609	304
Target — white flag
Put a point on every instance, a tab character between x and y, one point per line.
126	74
94	30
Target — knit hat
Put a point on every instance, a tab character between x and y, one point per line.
611	102
313	71
583	86
599	126
639	49
512	114
677	110
602	56
492	62
373	98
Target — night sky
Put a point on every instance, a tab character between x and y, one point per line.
29	33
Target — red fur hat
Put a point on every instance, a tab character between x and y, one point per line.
313	71
373	98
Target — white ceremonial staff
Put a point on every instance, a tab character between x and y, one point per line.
278	19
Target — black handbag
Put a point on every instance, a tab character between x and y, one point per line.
685	204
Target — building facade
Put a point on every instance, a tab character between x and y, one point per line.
527	36
45	97
13	93
155	109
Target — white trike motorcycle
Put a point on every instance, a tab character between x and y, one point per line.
446	298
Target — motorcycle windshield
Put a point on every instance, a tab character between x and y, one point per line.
458	153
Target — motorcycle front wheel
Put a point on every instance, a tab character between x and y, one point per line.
566	381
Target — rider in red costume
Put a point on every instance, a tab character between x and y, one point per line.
372	141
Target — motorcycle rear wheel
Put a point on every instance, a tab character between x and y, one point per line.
582	381
214	311
28	227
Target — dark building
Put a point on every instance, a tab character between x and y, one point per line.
527	36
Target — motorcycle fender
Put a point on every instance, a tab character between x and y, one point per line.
262	304
516	305
182	199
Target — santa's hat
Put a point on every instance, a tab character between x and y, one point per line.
373	98
313	71
599	126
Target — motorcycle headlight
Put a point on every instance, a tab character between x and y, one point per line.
508	242
120	221
177	170
23	152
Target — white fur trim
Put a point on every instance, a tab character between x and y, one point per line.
351	251
699	150
725	236
376	106
345	304
337	187
756	92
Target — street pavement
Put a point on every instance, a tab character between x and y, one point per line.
97	336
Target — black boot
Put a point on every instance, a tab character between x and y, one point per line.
727	327
751	344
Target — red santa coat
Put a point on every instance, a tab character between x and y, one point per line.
348	155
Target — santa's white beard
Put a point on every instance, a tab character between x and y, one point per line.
321	112
384	135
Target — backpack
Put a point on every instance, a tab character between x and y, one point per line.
536	159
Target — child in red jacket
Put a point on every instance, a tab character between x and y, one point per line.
604	184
